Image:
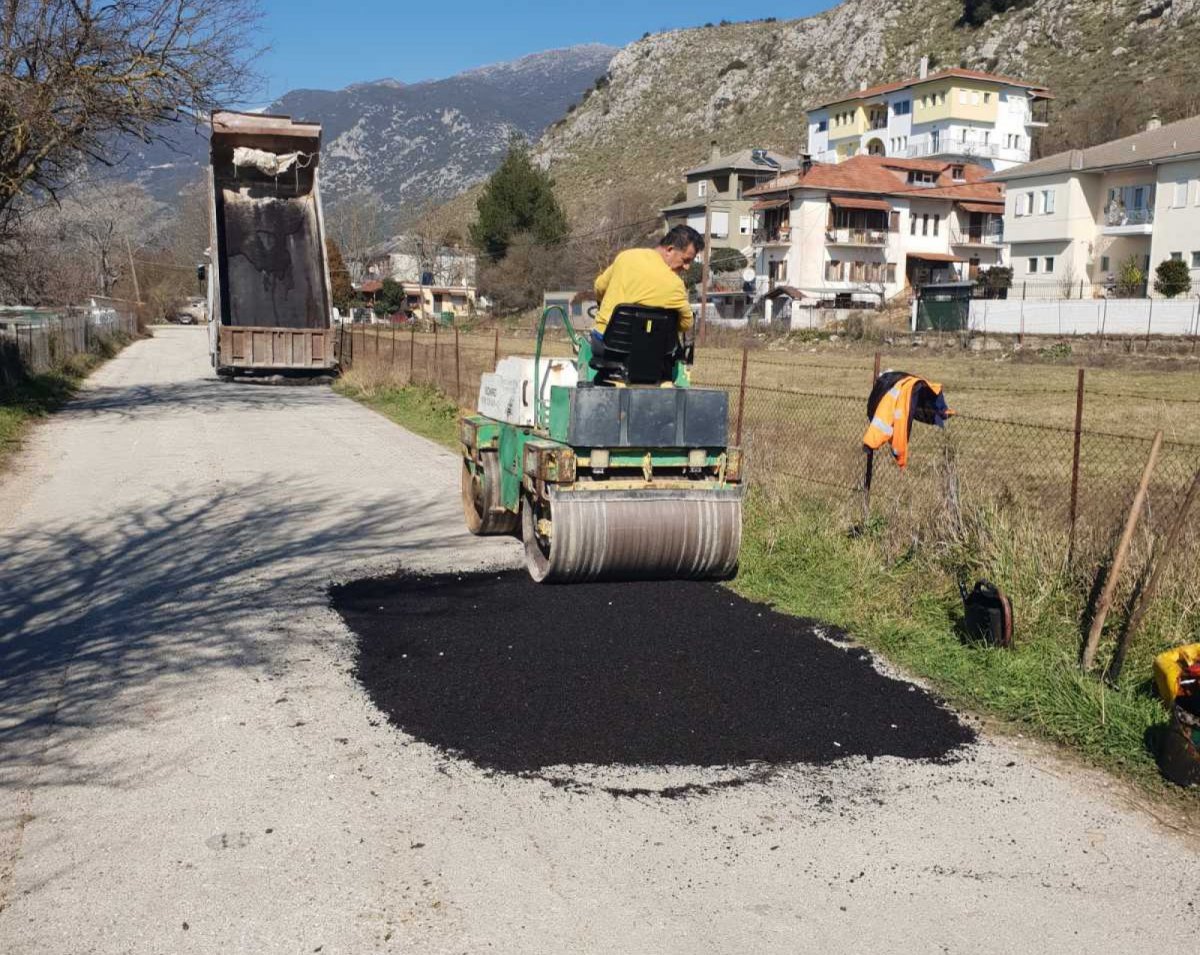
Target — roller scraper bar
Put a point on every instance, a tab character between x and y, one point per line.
636	534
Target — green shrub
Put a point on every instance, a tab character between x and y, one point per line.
1172	278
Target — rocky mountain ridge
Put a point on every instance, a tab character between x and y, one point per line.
406	144
1110	64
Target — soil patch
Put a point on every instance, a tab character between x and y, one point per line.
518	677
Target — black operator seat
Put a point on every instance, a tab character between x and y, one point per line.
641	346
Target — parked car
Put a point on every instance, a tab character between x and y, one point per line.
194	312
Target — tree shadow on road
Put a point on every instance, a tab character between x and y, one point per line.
97	618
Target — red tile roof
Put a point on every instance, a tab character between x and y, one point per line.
879	175
952	73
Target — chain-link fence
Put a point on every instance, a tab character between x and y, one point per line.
32	342
802	423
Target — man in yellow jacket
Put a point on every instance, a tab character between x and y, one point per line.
650	277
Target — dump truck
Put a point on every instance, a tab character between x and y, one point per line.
609	466
269	294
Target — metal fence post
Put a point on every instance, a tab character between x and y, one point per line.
433	359
496	350
741	397
1149	323
1075	467
392	360
412	352
457	369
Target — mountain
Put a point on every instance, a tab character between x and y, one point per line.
1110	63
408	144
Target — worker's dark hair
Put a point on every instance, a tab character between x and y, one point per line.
681	237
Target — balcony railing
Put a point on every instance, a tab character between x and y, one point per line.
978	237
1117	215
951	147
868	237
780	236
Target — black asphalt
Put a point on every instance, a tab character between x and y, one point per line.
517	676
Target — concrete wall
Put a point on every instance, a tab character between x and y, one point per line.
1087	317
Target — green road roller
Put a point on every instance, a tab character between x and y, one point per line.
609	466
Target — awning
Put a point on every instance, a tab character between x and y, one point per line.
935	257
771	203
781	290
987	208
848	202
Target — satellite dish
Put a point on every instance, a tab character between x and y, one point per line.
748	274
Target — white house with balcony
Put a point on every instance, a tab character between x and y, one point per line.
953	114
871	227
1076	218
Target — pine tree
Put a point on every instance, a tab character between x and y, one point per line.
518	198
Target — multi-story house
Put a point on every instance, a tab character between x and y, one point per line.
720	185
869	227
1080	216
952	114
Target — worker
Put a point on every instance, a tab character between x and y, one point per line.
649	277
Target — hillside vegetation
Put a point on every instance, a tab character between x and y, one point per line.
1110	63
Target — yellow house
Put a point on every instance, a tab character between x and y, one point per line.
954	114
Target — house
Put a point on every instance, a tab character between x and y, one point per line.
721	185
575	303
413	258
430	301
1078	216
953	114
868	227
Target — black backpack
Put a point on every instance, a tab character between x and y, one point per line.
987	614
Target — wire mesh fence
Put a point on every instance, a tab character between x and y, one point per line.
804	439
35	342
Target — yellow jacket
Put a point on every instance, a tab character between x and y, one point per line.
641	277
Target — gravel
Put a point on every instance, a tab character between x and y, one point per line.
518	677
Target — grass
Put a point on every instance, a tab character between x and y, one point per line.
799	557
39	395
418	408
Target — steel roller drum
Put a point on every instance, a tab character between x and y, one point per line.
637	534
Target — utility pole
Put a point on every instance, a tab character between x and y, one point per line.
137	294
707	255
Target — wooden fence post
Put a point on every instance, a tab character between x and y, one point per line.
496	350
434	371
741	396
457	369
1164	555
1075	466
392	362
412	352
1118	564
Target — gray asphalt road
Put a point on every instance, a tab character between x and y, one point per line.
186	764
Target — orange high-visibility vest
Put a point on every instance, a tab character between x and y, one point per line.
893	417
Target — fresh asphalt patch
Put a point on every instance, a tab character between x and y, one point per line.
520	677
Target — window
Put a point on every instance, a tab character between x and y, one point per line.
1031	265
957	173
925	224
912	225
702	188
744	225
1196	191
1176	256
922	178
822	125
974	99
1047	201
987	98
1196	260
1104	263
1048	264
1181	189
902	108
1139	198
987	136
891	273
962	97
893	221
937	222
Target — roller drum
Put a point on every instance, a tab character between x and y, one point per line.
637	534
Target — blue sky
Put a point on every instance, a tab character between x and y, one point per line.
327	45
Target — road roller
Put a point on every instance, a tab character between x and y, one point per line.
608	465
